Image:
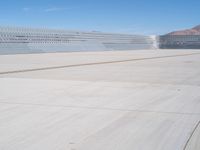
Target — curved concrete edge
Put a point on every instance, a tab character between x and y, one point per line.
194	141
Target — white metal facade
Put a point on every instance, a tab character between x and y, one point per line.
28	40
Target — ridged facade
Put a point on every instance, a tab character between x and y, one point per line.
28	40
179	42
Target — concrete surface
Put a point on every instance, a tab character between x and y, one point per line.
117	101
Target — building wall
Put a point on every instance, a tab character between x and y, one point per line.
27	40
179	42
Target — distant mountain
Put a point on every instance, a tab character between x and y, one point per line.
193	31
197	28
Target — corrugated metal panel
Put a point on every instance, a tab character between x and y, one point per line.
26	40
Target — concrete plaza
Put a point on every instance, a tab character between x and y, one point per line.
115	100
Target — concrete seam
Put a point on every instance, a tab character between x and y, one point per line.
99	108
91	64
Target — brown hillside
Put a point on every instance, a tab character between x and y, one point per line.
193	31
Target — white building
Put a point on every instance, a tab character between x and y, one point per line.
27	40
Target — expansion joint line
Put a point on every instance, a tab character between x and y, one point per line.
94	63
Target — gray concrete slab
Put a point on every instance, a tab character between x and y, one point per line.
31	61
150	104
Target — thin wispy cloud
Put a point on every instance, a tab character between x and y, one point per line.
50	9
55	9
25	9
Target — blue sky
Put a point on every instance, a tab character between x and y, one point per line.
123	16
